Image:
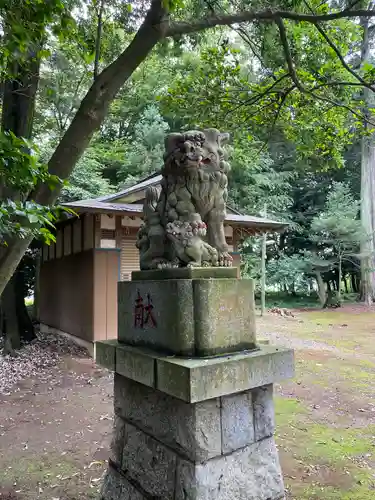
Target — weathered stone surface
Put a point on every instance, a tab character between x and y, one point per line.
204	317
105	354
263	341
252	473
169	326
237	421
117	442
185	273
224	315
174	379
136	365
196	380
192	430
264	413
116	487
149	463
183	223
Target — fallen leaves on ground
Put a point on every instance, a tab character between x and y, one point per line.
35	359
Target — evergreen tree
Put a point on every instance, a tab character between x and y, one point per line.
144	151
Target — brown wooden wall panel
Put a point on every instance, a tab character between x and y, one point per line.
77	236
100	293
66	294
51	251
68	239
113	271
106	273
88	232
59	244
45	253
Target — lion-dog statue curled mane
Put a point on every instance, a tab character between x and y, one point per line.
184	219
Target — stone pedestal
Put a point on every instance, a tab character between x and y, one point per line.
182	312
193	428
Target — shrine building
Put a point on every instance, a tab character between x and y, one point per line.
97	248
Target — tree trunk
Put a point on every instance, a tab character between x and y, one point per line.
10	323
339	280
98	41
368	219
367	190
38	263
355	284
346	285
25	324
263	277
335	282
88	119
321	288
17	116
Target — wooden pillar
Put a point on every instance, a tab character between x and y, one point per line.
118	233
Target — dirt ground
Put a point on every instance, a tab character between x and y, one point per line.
326	416
55	426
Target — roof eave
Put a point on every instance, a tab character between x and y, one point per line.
102	210
136	210
154	179
258	227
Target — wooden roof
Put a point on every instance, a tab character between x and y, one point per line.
125	203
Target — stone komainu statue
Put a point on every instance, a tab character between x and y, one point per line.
184	220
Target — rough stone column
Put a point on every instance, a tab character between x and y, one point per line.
193	428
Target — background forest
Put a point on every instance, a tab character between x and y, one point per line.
296	95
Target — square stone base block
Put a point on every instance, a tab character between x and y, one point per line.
194	380
187	317
167	449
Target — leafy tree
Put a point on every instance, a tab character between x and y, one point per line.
65	78
86	180
144	152
20	171
338	231
255	180
231	94
28	24
289	273
327	74
24	28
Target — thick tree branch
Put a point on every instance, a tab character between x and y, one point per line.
340	105
351	5
87	120
335	83
98	42
281	105
181	28
338	52
342	60
288	55
301	88
94	106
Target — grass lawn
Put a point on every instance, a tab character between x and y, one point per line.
326	416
